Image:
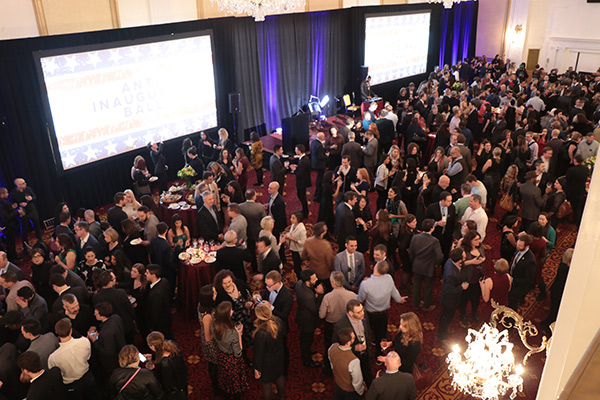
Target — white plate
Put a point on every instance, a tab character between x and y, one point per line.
195	260
153	179
183	256
210	260
174	206
194	207
212	254
185	207
136	241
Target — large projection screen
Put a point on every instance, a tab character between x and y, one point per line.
396	46
105	101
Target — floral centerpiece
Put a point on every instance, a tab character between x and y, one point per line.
590	162
187	173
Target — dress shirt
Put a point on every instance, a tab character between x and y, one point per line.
333	306
154	284
271	200
72	359
213	214
351	267
273	296
517	258
83	241
359	329
377	291
480	218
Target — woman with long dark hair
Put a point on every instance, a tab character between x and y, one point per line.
408	228
141	176
383	175
206	316
236	292
241	166
362	213
136	253
407	342
555	199
471	272
178	235
137	290
68	255
185	146
231	370
168	366
269	352
121	266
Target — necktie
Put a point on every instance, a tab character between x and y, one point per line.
515	261
351	268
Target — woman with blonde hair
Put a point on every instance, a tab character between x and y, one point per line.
407	342
267	224
131	204
168	365
256	158
269	351
131	381
496	287
395	158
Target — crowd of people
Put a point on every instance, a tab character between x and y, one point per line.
392	220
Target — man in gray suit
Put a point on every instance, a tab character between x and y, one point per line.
370	152
532	200
253	212
425	253
277	168
351	263
353	150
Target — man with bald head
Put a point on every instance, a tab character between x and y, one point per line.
318	162
276	209
392	384
232	257
24	197
437	189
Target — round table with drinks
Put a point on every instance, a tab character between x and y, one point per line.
196	269
179	201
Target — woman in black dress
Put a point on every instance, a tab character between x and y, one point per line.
269	352
407	342
168	366
492	174
185	146
508	243
137	291
408	228
330	191
237	292
136	252
121	266
555	199
362	213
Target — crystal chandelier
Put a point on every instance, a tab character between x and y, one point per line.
447	3
257	8
487	370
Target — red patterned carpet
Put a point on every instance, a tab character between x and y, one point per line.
306	383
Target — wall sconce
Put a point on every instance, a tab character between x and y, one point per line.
518	29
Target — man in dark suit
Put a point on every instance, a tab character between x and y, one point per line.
386	130
119	301
365	89
232	257
318	162
80	315
452	289
425	253
542	178
361	347
280	298
10	222
277	168
210	220
276	209
309	296
532	200
59	285
45	384
160	165
268	260
393	384
7	266
195	161
303	182
345	222
86	241
158	302
346	174
71	278
443	214
116	214
107	341
351	263
64	226
353	150
575	191
522	270
161	253
253	212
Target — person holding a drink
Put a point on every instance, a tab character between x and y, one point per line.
407	342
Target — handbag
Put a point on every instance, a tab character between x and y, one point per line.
564	210
119	396
423	377
507	203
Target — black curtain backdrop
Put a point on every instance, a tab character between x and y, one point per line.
312	50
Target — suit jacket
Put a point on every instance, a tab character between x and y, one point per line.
282	306
114	216
434	211
354	151
340	264
80	292
158	308
16	270
73	279
344	322
345	223
38	309
253	212
451	286
307	313
320	256
544	179
277	170
532	201
425	252
576	180
233	258
396	386
120	304
523	274
347	179
270	263
318	159
208	228
111	339
198	165
158	159
303	173
92	243
386	130
162	254
49	386
277	211
371	153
